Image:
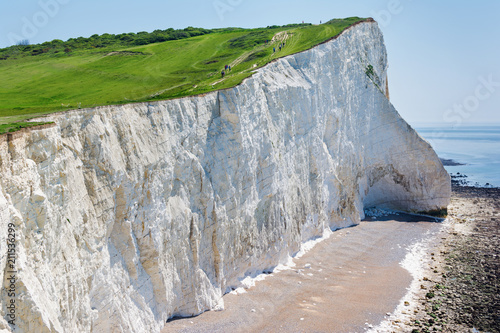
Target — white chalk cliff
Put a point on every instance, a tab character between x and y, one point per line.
128	215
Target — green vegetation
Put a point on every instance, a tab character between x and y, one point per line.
23	49
435	307
369	71
441	213
373	76
165	64
8	128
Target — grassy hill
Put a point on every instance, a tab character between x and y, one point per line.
49	82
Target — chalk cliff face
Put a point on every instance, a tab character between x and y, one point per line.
128	215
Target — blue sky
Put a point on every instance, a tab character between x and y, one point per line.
444	56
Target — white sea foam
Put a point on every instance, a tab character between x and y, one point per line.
249	281
377	212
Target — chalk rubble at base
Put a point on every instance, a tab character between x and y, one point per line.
129	215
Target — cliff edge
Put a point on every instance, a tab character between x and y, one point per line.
125	216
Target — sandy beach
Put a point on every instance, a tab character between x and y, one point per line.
346	283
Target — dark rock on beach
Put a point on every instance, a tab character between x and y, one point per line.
464	277
449	162
459	179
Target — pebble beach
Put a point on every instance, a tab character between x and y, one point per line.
459	288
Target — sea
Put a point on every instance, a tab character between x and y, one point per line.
477	148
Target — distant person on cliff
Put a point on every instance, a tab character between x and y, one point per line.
274	49
222	73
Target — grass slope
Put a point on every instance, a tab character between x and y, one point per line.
37	85
14	127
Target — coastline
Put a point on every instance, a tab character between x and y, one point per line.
455	286
444	280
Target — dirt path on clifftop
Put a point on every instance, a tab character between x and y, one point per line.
344	284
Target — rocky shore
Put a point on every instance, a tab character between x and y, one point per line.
459	291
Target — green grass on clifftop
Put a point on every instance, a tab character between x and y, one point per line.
14	127
39	84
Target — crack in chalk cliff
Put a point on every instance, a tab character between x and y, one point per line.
218	105
11	150
215	249
193	242
387	88
122	235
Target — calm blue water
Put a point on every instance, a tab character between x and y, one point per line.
476	146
